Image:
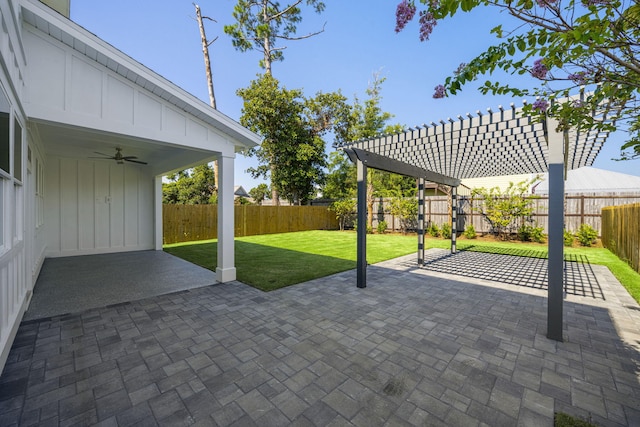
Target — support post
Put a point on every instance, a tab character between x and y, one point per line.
420	221
556	164
361	171
454	218
226	269
158	216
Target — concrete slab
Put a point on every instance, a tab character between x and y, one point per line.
78	283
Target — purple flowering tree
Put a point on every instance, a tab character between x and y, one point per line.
565	46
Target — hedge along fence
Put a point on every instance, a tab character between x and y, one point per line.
621	232
579	209
185	223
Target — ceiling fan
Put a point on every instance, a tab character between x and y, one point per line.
119	158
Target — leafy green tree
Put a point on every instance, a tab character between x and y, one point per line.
505	211
194	186
262	24
407	210
260	193
367	120
341	177
292	153
345	211
563	44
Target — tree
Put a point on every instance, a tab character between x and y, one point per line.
262	24
190	187
205	52
344	209
505	211
292	153
565	45
369	120
260	193
406	209
340	182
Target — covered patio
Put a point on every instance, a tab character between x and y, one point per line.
416	347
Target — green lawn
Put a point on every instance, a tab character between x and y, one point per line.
273	261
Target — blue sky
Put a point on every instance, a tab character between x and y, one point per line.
358	41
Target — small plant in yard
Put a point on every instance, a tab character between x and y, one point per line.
568	238
530	233
344	210
382	227
433	230
586	235
406	209
446	230
470	232
560	419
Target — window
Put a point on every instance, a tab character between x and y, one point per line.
5	145
17	150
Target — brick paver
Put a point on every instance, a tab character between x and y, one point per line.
415	347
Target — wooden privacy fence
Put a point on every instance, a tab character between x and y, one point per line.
621	232
579	209
184	223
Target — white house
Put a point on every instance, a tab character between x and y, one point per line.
588	179
66	95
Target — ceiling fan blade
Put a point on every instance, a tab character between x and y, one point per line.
134	161
102	154
105	158
128	157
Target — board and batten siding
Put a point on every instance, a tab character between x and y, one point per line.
96	207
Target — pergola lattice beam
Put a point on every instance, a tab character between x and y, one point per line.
379	162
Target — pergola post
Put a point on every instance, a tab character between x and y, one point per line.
454	218
361	172
556	232
420	221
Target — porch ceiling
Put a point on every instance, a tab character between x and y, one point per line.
495	143
82	143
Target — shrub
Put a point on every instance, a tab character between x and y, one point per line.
530	233
568	238
382	227
503	209
470	232
345	210
586	235
446	230
433	230
406	209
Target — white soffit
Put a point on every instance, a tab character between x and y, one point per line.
495	143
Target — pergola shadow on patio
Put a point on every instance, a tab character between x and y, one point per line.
416	347
502	142
514	269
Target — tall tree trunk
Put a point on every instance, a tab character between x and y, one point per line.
266	42
207	67
275	196
205	52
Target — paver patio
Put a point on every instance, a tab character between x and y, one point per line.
416	347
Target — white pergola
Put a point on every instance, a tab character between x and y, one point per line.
495	143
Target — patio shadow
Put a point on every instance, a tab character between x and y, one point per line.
521	267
